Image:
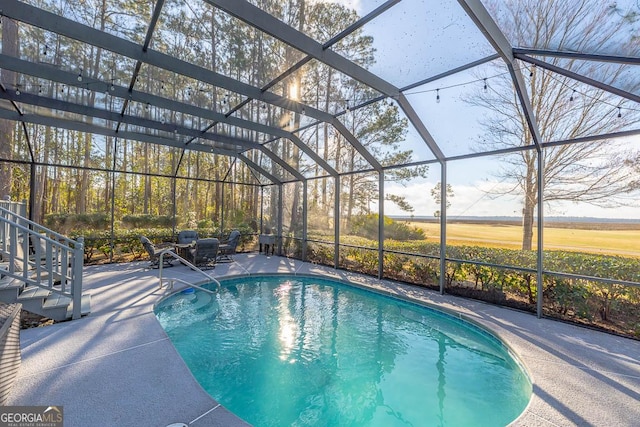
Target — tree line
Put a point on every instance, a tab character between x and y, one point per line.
142	178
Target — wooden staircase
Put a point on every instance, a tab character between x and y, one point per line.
40	268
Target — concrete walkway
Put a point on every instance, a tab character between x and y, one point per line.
116	367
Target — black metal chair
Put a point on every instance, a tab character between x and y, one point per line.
154	254
228	247
205	252
186	242
187	236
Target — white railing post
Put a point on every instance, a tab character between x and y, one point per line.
21	208
4	235
12	248
78	262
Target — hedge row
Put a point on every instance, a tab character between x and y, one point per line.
65	222
125	246
613	307
147	221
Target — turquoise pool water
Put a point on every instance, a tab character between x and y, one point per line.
292	351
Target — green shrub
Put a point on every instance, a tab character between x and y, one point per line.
147	221
359	259
425	271
319	253
64	223
125	245
205	223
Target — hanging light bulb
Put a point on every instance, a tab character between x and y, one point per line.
348	108
573	93
531	71
438	96
264	107
18	90
147	106
619	112
62	89
189	91
485	85
303	112
44	51
80	75
40	89
112	87
162	119
226	98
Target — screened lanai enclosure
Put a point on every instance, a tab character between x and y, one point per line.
487	148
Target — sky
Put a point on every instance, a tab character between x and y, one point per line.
472	200
443	33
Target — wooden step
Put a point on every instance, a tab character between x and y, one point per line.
56	306
32	298
33	292
10	289
9	282
56	300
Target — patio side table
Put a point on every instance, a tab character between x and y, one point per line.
269	242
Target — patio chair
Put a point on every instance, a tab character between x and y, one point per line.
228	247
205	252
187	236
154	254
186	241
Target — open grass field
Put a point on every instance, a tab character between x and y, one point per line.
599	239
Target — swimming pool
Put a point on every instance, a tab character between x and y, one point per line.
306	351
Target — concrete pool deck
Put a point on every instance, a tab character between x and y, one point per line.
117	367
